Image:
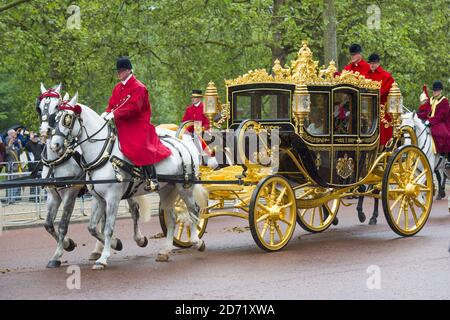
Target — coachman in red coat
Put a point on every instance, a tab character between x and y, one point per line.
194	112
377	73
357	63
436	113
130	107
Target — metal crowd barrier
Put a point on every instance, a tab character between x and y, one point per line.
25	206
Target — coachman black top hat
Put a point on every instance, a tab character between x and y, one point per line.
197	93
374	58
355	48
437	86
123	63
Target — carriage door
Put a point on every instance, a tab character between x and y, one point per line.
345	146
368	132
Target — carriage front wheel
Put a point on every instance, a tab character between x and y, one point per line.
272	213
182	237
407	190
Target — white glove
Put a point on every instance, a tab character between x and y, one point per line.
103	115
427	123
109	116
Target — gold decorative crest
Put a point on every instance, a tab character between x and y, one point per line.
345	167
304	70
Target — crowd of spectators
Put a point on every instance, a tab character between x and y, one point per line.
20	152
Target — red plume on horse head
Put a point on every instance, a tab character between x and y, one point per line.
71	105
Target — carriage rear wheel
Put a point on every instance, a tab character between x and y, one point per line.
182	237
316	218
407	191
272	213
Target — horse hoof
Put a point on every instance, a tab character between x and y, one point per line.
438	197
119	245
72	245
373	221
335	221
144	244
162	257
53	264
94	256
361	217
202	246
98	266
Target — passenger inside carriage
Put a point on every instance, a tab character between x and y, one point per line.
342	113
317	123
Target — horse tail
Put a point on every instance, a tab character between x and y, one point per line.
145	206
200	196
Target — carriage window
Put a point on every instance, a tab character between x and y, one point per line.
368	114
344	111
317	123
261	104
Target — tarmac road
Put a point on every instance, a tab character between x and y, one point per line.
349	261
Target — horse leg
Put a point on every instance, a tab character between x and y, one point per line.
167	197
359	207
439	183
111	212
140	240
53	203
373	220
64	242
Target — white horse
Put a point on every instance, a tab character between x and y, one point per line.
88	130
56	166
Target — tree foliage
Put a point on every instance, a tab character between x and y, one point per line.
177	45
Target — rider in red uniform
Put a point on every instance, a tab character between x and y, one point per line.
377	73
130	107
436	113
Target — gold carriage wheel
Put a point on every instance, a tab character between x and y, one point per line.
182	237
407	191
272	213
316	218
240	138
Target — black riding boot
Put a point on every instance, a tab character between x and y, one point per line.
150	178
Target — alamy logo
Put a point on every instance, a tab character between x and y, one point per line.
374	280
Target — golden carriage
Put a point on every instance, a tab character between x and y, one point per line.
320	132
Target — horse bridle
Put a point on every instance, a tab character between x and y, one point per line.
44	115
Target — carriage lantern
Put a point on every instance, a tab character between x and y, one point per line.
301	105
211	101
395	105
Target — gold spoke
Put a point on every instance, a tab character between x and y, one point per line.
416	179
303	212
400	212
280	233
180	230
419	204
413	211
312	217
263	217
287	222
397	179
188	232
406	218
264	229
272	234
272	193
286	205
415	167
265	208
281	195
395	202
321	215
397	190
